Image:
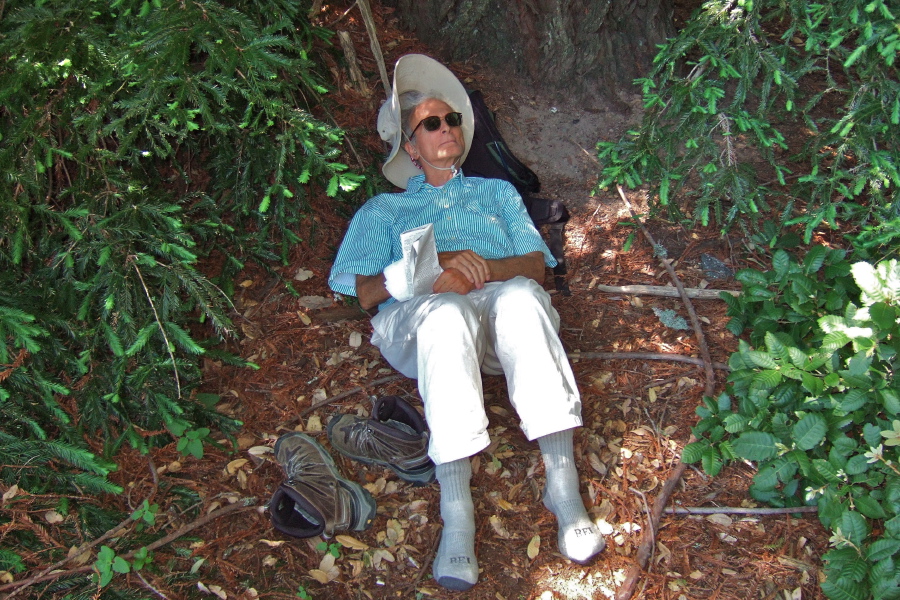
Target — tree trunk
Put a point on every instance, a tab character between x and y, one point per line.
577	47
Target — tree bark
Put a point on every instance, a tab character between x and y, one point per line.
577	47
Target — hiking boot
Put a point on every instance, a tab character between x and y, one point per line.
315	498
395	436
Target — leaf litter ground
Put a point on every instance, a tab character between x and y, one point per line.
311	348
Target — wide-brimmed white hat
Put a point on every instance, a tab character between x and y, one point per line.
424	74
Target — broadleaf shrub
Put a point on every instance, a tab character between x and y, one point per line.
813	400
772	108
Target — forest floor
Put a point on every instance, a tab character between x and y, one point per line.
314	348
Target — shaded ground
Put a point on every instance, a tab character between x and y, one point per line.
637	414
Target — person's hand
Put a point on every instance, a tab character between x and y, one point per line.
452	280
475	268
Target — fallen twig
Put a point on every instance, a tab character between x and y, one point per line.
245	504
344	394
739	510
665	291
626	590
118	529
695	321
645	356
424	567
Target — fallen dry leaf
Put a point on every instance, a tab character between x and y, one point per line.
272	543
720	519
53	517
662	553
319	575
499	528
534	547
79	559
6	577
327	562
314	423
355	339
302	274
351	542
235	465
10	493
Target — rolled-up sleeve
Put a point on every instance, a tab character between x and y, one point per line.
524	235
365	250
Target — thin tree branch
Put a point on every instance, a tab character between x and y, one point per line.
665	291
695	321
246	504
118	529
739	510
626	590
341	396
645	356
161	328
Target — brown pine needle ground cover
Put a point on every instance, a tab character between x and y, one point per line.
312	348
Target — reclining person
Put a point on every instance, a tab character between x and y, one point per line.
487	313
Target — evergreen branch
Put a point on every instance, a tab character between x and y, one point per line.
162	329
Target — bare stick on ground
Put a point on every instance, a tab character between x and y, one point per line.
626	590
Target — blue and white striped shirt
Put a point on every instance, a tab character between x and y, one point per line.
486	216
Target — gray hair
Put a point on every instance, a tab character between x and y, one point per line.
409	100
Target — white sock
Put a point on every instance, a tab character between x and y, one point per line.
455	566
578	538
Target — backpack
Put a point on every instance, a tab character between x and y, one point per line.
489	156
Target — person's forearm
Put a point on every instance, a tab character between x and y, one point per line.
529	265
370	290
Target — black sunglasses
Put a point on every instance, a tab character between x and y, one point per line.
433	123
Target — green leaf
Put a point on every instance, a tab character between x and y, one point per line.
872	434
881	549
827	470
814	259
761	359
891	400
835	341
120	565
812	384
693	452
712	461
857	465
853	400
809	431
884	315
869	507
844	589
781	263
755	445
853	527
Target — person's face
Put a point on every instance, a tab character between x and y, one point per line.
441	147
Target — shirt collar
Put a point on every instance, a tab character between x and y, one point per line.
417	182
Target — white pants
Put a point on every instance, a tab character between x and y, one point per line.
446	340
